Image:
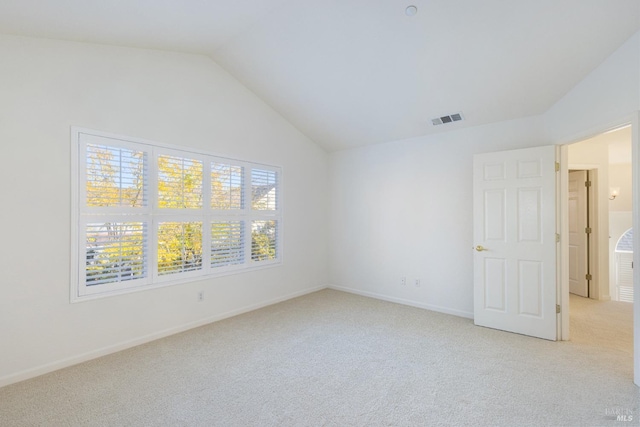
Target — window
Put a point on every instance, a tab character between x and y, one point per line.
624	267
625	242
149	215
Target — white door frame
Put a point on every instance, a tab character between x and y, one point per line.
563	289
635	144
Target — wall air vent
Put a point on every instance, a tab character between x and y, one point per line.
456	117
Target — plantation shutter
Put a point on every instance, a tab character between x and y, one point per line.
115	177
115	252
179	247
227	243
148	215
264	240
624	266
264	189
179	182
227	186
114	225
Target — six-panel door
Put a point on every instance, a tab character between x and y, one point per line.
515	241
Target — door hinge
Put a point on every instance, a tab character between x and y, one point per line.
557	308
588	277
557	167
587	230
557	238
587	183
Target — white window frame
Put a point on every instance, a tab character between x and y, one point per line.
152	215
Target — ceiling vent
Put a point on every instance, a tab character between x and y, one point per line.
456	117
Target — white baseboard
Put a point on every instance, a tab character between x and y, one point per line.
94	354
403	301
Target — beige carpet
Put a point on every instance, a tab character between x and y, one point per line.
335	359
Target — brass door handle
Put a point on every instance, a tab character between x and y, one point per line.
480	248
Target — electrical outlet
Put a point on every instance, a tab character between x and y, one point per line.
201	296
403	281
417	283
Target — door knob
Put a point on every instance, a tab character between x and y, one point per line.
480	248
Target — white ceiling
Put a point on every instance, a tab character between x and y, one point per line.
355	72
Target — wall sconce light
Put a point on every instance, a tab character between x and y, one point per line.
615	192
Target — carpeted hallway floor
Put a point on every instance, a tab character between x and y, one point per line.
336	359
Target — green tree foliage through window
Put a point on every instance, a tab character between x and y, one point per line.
115	176
115	252
264	240
179	183
149	214
179	247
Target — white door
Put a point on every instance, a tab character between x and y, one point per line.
578	252
514	210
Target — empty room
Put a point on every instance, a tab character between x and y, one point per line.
297	213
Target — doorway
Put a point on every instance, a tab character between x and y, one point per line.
588	210
604	161
600	211
632	126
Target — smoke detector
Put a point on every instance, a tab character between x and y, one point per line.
455	117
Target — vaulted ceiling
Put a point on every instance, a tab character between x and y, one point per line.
354	72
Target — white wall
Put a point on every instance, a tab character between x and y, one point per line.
608	94
607	97
620	176
405	209
181	99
